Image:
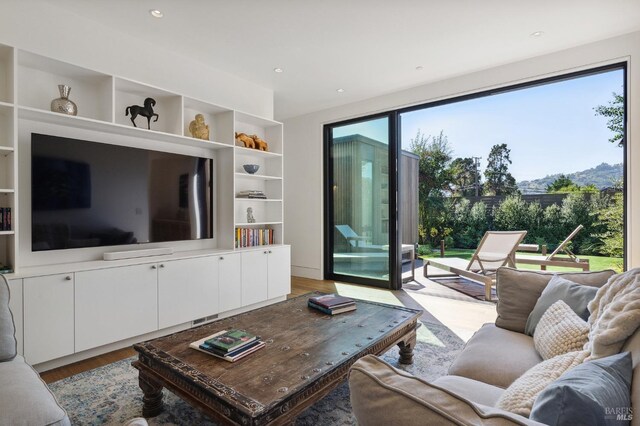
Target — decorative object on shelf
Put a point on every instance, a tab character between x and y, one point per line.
145	111
260	143
62	104
245	139
198	128
250	218
250	168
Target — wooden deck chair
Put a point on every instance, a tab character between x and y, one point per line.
571	261
496	249
355	242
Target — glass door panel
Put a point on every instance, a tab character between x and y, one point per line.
358	228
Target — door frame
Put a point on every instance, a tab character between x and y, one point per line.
395	255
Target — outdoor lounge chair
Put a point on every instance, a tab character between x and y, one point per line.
572	261
496	249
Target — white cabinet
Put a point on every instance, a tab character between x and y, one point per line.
254	277
15	304
187	290
48	317
266	274
114	304
230	281
278	272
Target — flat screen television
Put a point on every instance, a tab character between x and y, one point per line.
91	194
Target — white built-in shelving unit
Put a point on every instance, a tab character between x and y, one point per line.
61	297
28	83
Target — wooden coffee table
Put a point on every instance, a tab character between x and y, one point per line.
307	355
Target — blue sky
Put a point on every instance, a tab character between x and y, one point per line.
550	128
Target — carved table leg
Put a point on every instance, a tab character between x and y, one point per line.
152	398
406	350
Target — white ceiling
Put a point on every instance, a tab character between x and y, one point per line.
366	47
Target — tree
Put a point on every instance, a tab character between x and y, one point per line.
611	241
434	178
561	182
464	176
614	112
563	185
498	179
434	155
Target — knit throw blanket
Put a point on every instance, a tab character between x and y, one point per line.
615	314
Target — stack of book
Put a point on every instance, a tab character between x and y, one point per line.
251	194
251	237
230	345
332	304
5	218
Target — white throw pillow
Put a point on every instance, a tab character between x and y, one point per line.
559	331
520	396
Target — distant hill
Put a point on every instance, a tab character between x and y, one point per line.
601	176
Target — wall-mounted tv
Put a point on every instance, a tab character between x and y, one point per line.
91	194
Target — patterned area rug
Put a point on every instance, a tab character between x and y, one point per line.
110	394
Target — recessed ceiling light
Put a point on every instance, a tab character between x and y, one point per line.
278	70
419	68
536	34
156	13
340	90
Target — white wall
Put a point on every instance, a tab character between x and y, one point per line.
40	27
303	174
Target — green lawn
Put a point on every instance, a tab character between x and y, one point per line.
596	263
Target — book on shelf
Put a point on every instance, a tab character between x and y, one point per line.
251	194
252	237
333	311
232	355
330	301
5	218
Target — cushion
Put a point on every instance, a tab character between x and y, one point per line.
469	389
560	331
480	360
383	395
575	295
593	393
519	290
519	397
25	399
8	342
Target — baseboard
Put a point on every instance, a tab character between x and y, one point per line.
130	254
304	272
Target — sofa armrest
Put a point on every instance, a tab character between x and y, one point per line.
381	394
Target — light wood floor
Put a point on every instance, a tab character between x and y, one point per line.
442	306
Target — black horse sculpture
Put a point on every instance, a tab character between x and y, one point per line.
146	111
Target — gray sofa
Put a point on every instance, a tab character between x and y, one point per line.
24	398
492	359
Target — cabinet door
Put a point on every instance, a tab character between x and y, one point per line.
279	272
48	317
230	281
254	277
15	304
187	290
114	304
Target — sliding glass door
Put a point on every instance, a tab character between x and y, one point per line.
360	219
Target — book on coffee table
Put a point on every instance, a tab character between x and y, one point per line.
331	301
231	356
332	304
230	340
